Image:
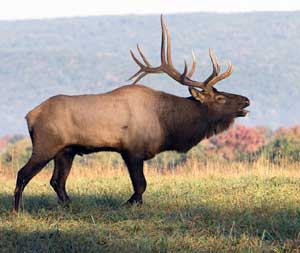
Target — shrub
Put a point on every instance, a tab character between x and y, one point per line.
16	154
237	141
285	145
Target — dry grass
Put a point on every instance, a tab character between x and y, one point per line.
212	206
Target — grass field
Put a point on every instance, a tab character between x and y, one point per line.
199	207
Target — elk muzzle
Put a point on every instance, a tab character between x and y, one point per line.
242	112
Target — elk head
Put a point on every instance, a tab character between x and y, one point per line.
219	104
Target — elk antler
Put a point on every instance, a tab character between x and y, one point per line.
168	68
215	77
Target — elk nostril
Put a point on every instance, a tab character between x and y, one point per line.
247	101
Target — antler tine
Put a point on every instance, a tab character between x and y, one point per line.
168	67
138	63
136	60
183	75
169	54
218	78
192	71
162	50
143	56
165	30
215	61
135	74
141	70
171	71
140	77
215	64
144	70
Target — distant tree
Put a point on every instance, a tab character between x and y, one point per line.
237	141
285	145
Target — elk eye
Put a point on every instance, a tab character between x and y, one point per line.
221	99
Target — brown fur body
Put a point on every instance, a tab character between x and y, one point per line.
134	120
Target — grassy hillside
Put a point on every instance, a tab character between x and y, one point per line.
41	58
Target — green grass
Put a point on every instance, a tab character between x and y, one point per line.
215	211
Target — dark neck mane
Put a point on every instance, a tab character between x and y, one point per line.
219	126
190	124
214	127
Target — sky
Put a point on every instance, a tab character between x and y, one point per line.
38	9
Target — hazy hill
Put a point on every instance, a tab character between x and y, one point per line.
41	58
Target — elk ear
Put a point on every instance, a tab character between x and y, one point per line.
197	94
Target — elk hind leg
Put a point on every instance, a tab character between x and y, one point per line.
25	174
62	166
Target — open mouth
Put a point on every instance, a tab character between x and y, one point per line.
242	112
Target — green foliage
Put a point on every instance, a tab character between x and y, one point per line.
281	148
284	146
107	159
16	153
199	153
168	160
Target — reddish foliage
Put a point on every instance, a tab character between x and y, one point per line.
4	141
238	139
291	133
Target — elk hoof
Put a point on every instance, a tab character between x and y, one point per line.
14	212
65	203
133	201
126	204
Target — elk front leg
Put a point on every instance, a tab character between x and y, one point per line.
135	168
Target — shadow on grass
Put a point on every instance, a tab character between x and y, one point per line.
78	233
268	223
33	203
56	240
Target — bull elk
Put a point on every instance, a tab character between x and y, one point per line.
133	120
